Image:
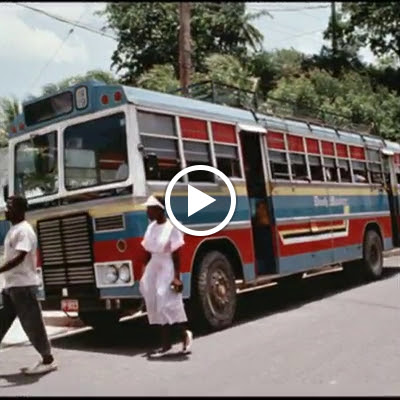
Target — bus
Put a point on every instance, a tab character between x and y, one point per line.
311	198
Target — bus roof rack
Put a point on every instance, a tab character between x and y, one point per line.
228	95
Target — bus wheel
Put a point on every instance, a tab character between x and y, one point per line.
216	290
102	320
372	255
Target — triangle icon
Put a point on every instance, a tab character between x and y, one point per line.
197	200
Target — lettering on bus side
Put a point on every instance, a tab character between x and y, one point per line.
330	201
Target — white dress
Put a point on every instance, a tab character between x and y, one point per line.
163	305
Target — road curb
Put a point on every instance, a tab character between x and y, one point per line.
392	253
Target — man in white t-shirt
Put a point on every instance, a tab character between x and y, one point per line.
21	284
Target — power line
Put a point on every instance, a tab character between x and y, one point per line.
257	7
34	81
66	21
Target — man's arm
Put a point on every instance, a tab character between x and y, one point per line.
13	262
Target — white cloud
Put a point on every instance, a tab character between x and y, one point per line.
24	43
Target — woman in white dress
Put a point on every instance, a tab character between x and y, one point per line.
160	285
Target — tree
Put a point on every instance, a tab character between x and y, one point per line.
375	24
349	100
148	34
160	78
9	109
269	67
103	76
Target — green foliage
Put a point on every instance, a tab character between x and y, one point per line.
148	34
9	109
160	78
375	24
349	99
99	75
269	67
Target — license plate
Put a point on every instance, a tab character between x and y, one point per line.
70	305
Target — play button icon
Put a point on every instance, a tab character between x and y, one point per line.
197	200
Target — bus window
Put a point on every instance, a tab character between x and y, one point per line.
158	136
330	170
167	154
374	165
316	168
95	151
36	172
299	167
345	175
279	167
376	173
359	172
157	124
198	153
228	160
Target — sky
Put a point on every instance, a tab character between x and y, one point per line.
36	50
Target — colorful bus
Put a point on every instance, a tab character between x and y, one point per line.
310	198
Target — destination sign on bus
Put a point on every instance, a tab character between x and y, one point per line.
47	109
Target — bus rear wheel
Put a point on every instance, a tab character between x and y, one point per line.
370	266
215	291
100	320
372	255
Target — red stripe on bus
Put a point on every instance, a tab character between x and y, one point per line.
356	231
106	251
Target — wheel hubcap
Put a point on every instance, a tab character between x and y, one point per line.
375	257
218	290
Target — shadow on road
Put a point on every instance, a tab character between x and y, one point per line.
19	379
136	337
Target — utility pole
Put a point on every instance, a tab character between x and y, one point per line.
334	40
185	64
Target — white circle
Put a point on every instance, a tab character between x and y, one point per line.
227	182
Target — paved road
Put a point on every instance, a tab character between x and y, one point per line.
330	336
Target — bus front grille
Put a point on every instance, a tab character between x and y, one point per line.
66	250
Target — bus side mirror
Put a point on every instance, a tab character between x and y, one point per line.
5	192
151	166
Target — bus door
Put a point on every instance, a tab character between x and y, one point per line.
393	191
258	202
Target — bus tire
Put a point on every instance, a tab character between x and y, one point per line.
215	290
372	261
100	320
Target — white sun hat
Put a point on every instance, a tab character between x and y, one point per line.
152	201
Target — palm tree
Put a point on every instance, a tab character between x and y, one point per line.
9	109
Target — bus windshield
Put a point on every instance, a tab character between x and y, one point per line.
95	152
36	172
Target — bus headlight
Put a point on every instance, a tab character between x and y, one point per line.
125	273
114	274
111	274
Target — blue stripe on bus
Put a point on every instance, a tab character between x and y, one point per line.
4	227
303	206
136	221
249	272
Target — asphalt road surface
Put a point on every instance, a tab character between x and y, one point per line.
329	336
